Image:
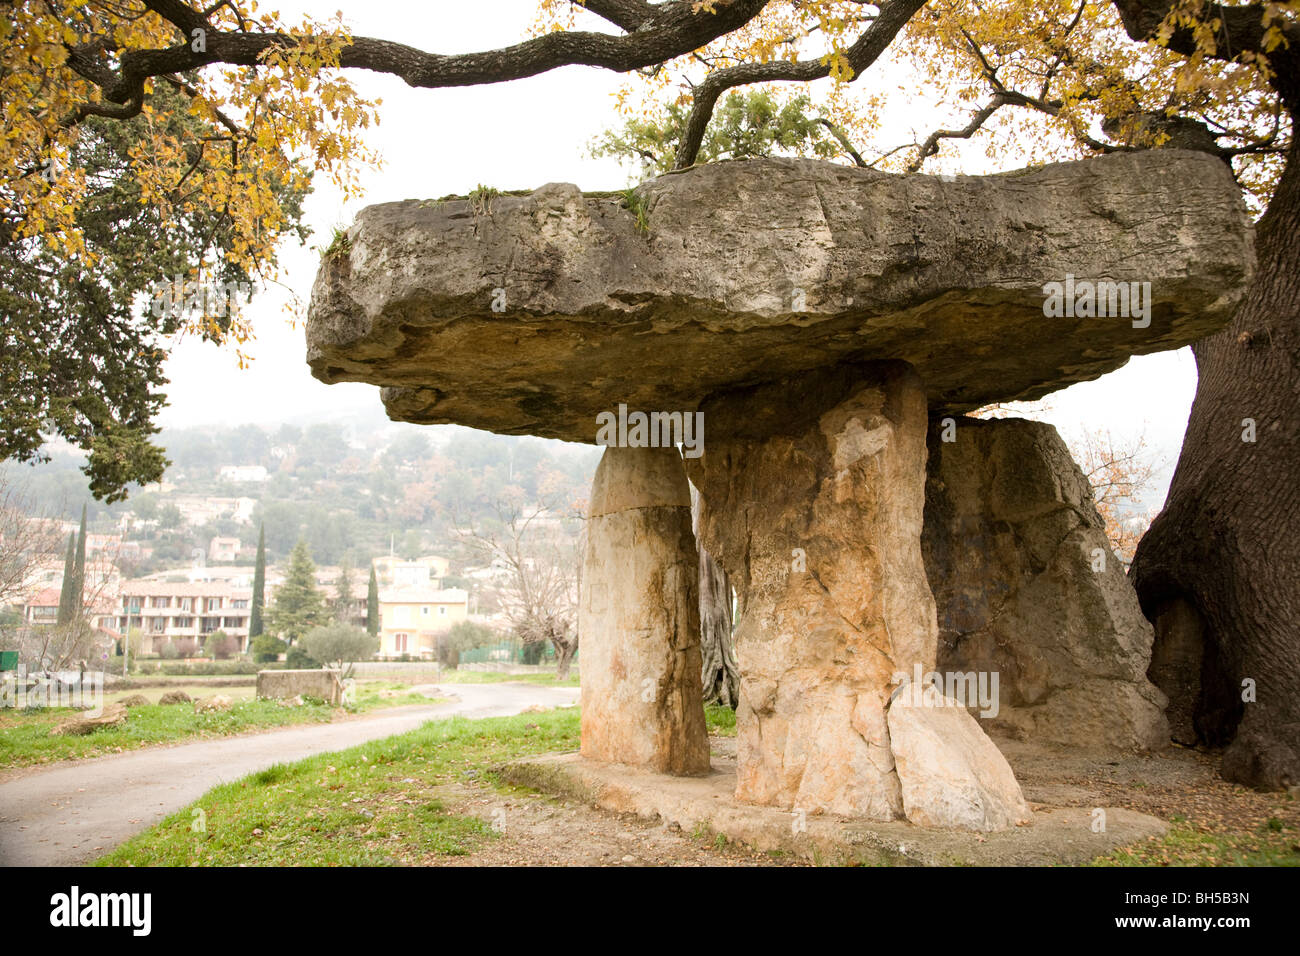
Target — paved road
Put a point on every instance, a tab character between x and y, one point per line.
73	812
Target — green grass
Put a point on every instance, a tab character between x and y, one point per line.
381	803
193	688
1269	846
371	696
481	199
635	203
491	677
340	244
26	739
720	720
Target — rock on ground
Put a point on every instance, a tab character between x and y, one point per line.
111	716
208	705
951	774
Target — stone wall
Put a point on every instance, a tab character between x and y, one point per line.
283	685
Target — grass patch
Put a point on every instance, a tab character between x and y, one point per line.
635	203
481	199
719	720
376	694
546	679
340	244
381	803
26	739
1181	846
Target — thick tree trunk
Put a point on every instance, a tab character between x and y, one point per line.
1226	547
720	674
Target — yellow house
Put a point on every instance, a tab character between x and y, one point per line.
410	619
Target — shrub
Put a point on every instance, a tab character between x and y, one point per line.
340	643
220	645
299	659
267	648
463	636
170	651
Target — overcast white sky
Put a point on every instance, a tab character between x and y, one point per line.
514	136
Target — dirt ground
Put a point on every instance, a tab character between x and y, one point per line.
1179	785
542	831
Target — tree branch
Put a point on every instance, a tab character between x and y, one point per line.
662	32
893	16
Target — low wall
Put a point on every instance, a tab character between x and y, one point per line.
282	685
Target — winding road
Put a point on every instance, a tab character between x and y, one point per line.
72	812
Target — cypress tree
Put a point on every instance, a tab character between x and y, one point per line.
79	566
66	606
259	587
372	603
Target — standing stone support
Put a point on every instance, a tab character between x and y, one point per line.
813	496
639	617
1027	588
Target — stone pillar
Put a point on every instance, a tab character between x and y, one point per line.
639	617
813	495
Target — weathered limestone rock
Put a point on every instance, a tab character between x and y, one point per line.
812	495
535	316
80	725
951	774
214	704
1012	544
639	617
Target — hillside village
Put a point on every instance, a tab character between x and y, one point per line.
171	571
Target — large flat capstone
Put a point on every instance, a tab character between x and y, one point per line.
534	313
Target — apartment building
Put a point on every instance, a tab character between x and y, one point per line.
166	611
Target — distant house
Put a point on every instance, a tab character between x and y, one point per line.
223	550
410	619
42	610
200	509
243	473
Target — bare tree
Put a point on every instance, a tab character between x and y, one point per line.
1120	472
26	540
540	560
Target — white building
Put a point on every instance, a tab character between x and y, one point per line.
243	473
